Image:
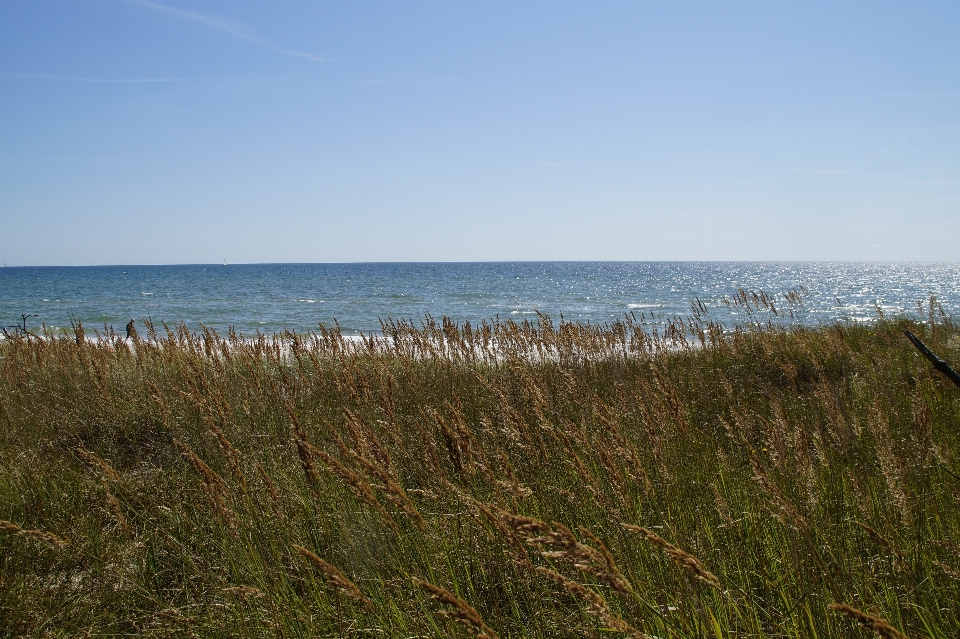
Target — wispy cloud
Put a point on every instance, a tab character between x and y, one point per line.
406	78
224	25
70	78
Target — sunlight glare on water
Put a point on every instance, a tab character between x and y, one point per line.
274	297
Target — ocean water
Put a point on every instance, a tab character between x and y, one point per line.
272	297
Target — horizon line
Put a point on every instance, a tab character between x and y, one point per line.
363	262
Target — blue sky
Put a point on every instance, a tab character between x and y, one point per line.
134	131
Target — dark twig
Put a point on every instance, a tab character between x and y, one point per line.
938	363
948	471
20	328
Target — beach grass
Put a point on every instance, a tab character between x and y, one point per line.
506	480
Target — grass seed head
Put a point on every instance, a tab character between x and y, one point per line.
105	468
39	535
333	576
458	610
871	622
596	606
684	559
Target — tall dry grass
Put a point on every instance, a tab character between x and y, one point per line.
501	480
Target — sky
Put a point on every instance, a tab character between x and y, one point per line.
170	132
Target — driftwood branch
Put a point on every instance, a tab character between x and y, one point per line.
938	363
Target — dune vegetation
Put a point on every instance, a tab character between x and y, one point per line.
502	480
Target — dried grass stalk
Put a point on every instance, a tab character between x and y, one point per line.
105	468
783	503
517	550
230	452
213	483
458	610
244	592
953	573
39	535
871	622
108	473
684	559
117	510
306	462
886	545
596	606
595	561
271	488
303	451
561	543
334	578
391	486
367	442
354	482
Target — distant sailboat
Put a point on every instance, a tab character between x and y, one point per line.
224	261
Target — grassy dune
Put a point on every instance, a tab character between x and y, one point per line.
531	480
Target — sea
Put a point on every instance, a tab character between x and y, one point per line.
272	298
